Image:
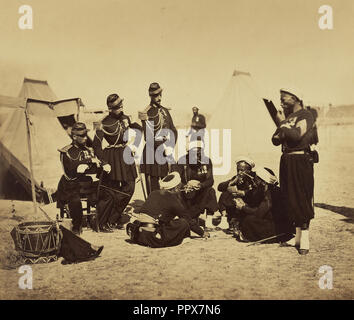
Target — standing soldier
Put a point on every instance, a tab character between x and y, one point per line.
118	186
295	134
155	118
77	159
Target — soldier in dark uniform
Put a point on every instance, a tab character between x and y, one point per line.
267	218
295	133
117	187
155	118
77	159
196	171
173	221
243	186
198	120
198	125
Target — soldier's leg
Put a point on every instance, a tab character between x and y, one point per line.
304	238
155	183
105	205
123	197
75	208
148	183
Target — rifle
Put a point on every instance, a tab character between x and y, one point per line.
272	110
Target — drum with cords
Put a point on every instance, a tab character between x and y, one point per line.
38	242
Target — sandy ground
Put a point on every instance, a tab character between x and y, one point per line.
218	268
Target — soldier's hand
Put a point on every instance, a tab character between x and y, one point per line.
286	125
106	167
81	168
232	189
240	193
168	151
276	138
280	116
195	184
239	203
142	116
95	161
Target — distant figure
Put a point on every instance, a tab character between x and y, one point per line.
198	120
197	129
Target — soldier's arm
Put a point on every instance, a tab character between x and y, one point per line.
223	185
69	164
277	138
97	145
143	116
172	126
301	128
136	126
262	209
193	224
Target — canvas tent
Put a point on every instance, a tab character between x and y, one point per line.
31	134
242	110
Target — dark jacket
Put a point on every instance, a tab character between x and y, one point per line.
165	206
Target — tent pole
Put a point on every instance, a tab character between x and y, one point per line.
78	109
30	161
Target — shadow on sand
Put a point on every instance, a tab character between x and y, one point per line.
344	211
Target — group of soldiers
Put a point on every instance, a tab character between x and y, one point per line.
178	193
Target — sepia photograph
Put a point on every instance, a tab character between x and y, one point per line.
174	150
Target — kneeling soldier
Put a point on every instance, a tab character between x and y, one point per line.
170	223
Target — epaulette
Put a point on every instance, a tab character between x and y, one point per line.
98	124
143	114
65	149
103	119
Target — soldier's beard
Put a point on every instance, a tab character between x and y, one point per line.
156	102
80	144
288	111
117	115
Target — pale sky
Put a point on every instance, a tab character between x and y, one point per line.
90	49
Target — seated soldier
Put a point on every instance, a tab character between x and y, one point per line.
240	186
257	222
267	219
169	221
77	160
196	171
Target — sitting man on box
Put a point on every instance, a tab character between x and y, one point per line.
77	160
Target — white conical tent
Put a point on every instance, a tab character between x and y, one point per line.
37	89
242	110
